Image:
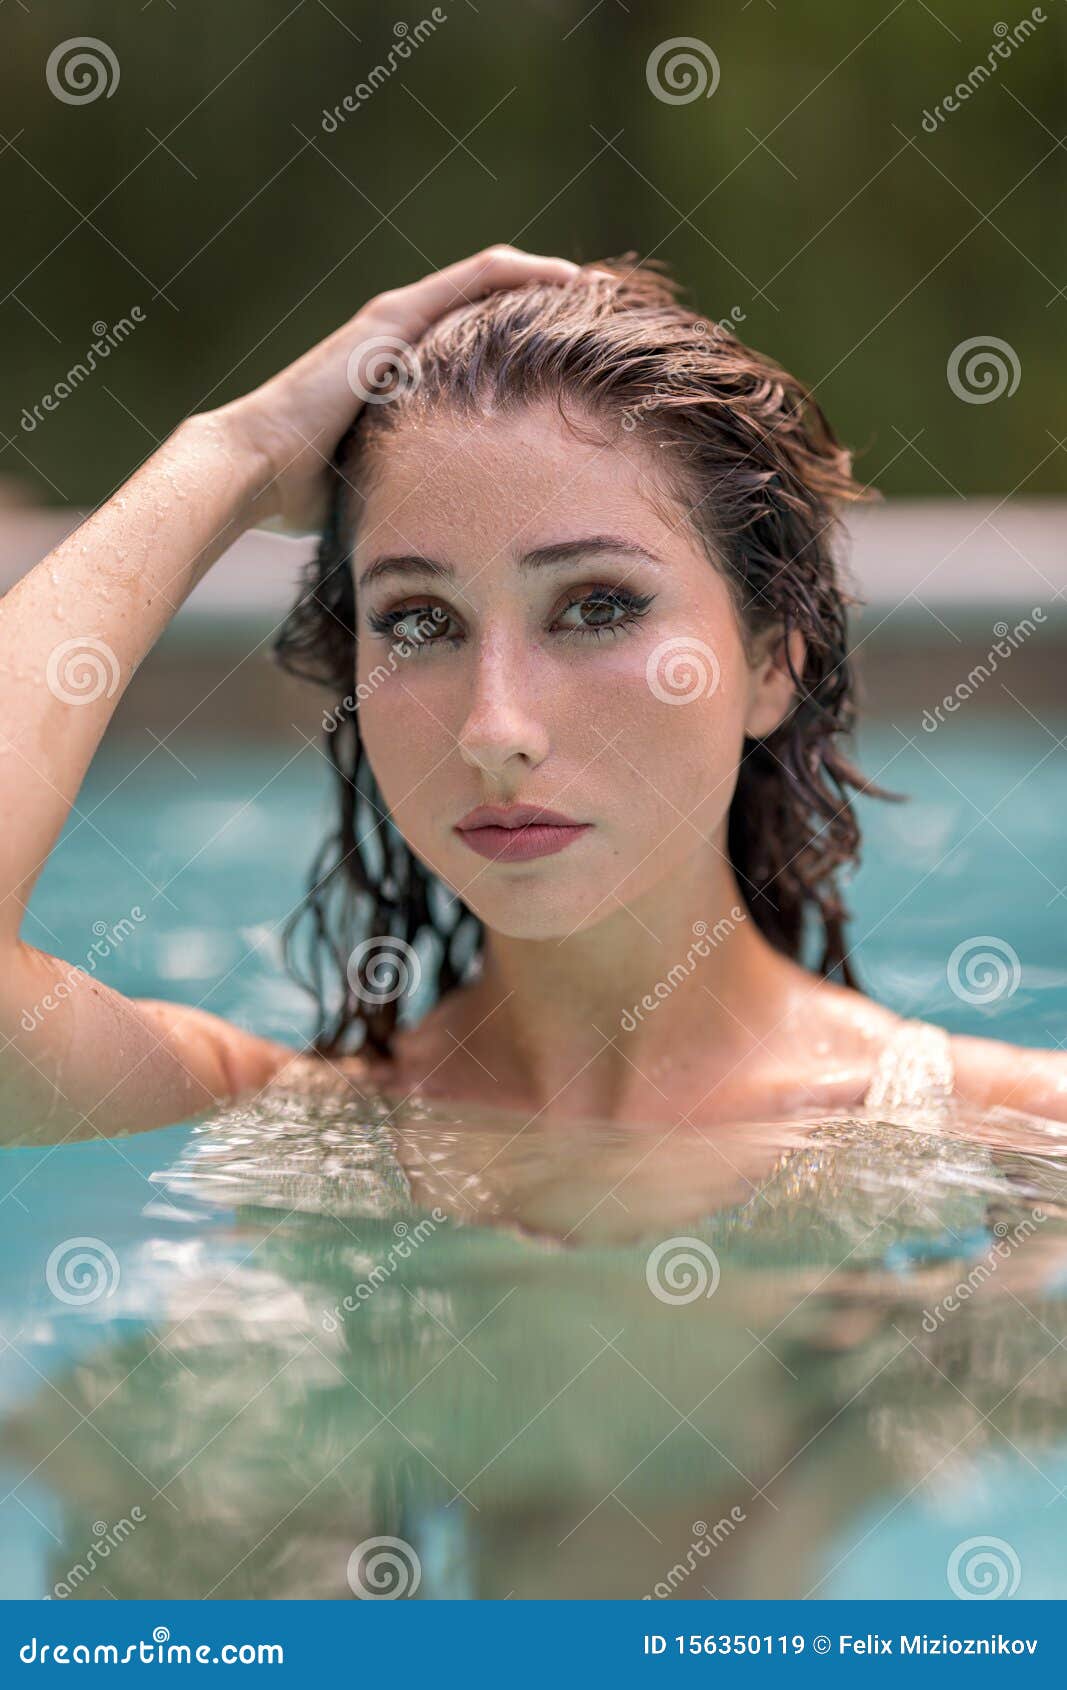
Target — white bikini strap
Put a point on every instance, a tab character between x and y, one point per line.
914	1071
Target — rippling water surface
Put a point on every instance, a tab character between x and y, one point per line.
815	1358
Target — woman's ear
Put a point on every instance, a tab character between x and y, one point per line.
772	690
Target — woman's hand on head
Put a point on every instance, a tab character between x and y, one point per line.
294	421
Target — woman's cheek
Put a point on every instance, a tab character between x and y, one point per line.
683	745
419	774
396	737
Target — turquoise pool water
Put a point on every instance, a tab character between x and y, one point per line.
526	1417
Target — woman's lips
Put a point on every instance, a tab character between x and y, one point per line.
515	833
520	844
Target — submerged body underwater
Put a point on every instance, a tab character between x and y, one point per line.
314	1345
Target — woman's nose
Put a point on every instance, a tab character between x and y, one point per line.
504	722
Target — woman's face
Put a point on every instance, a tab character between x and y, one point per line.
564	643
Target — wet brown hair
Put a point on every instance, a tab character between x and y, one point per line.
760	477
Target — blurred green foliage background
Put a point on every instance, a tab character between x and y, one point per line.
805	191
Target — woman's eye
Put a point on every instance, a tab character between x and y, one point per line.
603	612
412	629
415	627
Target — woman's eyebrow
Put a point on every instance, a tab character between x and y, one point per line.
555	555
565	551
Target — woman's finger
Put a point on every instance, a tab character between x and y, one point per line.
414	308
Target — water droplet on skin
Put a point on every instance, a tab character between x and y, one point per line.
53	575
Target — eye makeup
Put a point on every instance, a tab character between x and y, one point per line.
597	611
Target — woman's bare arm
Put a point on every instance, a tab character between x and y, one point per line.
77	1057
95	1062
992	1075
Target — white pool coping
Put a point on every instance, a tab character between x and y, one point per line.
967	554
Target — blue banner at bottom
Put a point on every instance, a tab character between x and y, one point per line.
528	1642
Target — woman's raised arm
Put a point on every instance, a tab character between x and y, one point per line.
96	1062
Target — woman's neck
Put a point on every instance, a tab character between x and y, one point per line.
605	1021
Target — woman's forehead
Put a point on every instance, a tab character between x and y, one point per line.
511	480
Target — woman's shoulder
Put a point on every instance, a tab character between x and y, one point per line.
981	1074
876	1047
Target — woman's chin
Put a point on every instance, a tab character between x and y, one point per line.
525	915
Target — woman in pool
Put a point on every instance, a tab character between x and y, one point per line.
577	603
